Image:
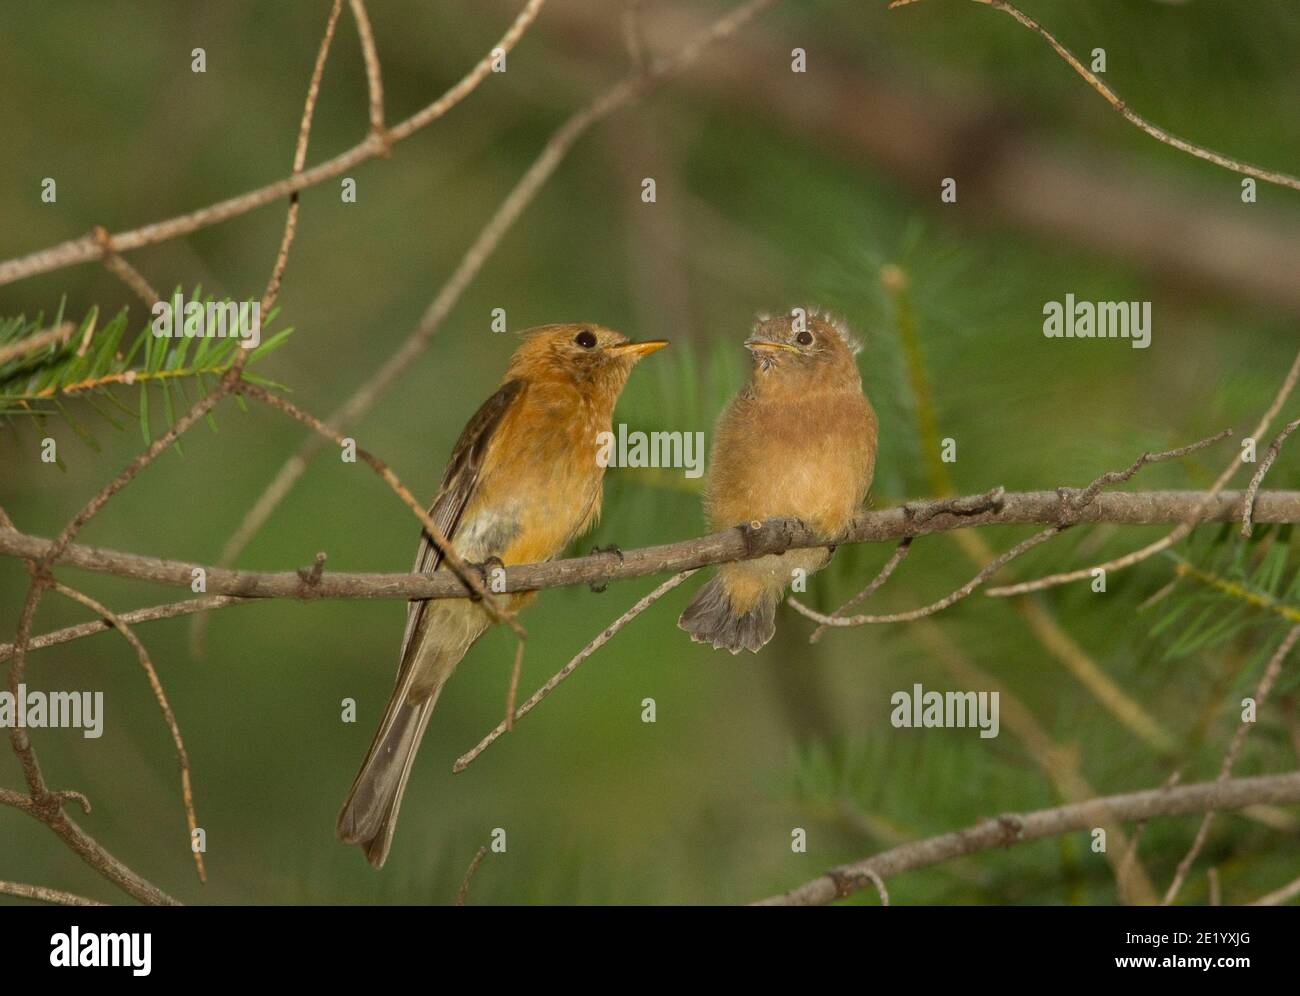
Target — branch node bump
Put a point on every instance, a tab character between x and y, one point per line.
1013	828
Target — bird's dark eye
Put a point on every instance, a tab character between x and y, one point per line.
586	338
804	338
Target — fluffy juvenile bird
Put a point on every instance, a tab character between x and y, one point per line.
798	442
522	481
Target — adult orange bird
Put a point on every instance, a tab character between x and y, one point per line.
799	441
522	481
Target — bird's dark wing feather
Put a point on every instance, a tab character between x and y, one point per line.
459	481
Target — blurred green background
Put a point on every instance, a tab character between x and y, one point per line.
775	189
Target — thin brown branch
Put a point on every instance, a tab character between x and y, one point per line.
1129	115
48	810
1269	457
91	852
123	270
1179	531
1013	828
738	543
986	572
169	717
374	76
168	611
482	69
299	161
1085	496
1266	682
513	690
87	248
900	551
463	892
879	883
46	895
605	636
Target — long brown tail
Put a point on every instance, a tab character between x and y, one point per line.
369	813
711	619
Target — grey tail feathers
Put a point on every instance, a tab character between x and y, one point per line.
369	813
710	619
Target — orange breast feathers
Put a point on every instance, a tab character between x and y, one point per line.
540	472
812	460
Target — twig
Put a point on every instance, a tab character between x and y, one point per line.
87	248
1266	682
1013	828
985	573
1086	496
123	270
169	717
1269	456
167	611
482	69
46	895
1179	531
879	883
48	811
463	892
300	160
1156	132
900	551
605	636
374	78
513	691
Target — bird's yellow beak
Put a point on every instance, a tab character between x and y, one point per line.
767	345
639	349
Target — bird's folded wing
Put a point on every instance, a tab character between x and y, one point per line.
459	482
